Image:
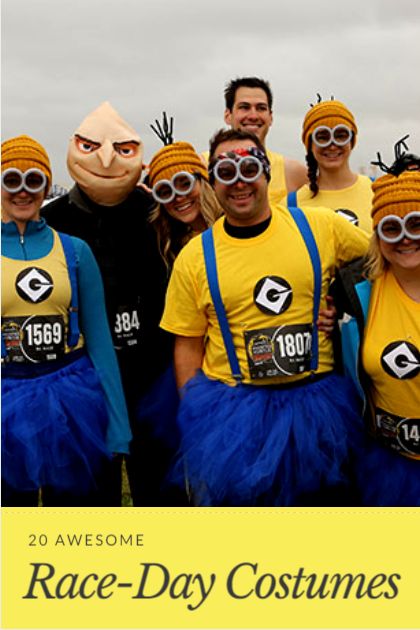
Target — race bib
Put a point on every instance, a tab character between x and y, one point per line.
282	351
400	434
34	339
126	329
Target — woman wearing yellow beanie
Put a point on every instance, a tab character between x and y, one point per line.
385	361
185	202
63	410
329	134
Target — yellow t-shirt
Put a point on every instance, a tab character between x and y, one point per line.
354	202
391	358
277	190
266	284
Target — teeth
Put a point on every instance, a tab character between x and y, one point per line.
184	206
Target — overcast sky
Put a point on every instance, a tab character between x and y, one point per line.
62	58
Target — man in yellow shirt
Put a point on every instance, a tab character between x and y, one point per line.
264	421
249	107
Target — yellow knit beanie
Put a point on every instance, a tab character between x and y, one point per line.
330	114
23	152
395	195
176	157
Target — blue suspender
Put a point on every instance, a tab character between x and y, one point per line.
311	246
70	255
211	270
292	199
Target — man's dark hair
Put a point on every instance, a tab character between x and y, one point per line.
251	82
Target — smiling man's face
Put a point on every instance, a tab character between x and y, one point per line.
105	156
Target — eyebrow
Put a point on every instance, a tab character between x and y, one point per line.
127	142
77	135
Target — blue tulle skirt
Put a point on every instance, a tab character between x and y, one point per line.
54	422
386	478
266	446
157	410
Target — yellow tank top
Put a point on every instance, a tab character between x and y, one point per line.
391	358
36	296
353	202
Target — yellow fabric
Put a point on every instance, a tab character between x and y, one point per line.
13	305
328	114
357	198
279	251
277	189
396	195
393	317
179	156
23	152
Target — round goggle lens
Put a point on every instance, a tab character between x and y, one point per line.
34	181
12	181
163	190
183	183
226	171
250	169
412	225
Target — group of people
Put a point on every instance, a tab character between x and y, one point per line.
180	322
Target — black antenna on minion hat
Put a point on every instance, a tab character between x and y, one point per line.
165	131
403	161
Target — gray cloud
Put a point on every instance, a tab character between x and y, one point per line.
61	59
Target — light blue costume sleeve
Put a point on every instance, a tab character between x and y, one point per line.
94	326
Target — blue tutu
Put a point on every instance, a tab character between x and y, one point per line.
53	425
266	446
386	478
157	410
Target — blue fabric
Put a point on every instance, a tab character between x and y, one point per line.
37	243
53	427
386	478
350	337
267	446
157	410
292	199
73	327
311	246
211	270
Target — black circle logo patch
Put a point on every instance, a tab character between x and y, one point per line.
273	295
34	285
401	360
349	215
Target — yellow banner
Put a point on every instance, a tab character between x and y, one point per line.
210	568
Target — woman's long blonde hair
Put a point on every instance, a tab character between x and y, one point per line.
172	235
